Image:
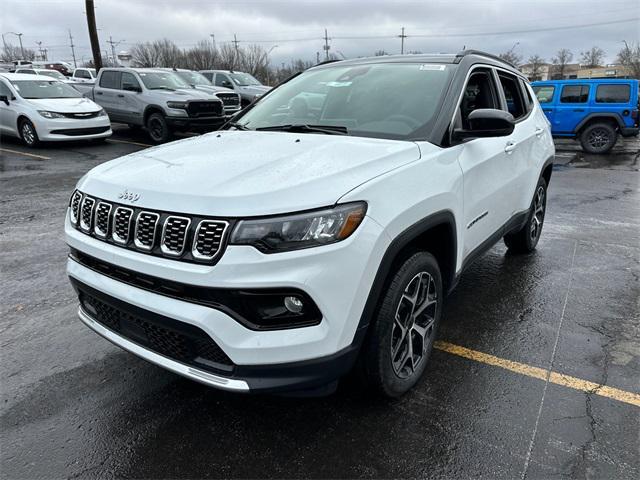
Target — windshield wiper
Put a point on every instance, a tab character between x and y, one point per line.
304	128
237	126
163	88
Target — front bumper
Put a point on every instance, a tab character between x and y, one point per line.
181	123
65	129
629	131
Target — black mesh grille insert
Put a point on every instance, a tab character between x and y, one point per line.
146	225
174	235
177	340
75	206
122	224
208	238
229	99
204	109
101	226
86	216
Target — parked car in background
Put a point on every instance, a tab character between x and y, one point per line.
156	99
285	250
46	72
246	85
594	111
229	98
37	108
84	75
62	67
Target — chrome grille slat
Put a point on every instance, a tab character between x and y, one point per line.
145	230
174	235
86	213
121	231
76	200
208	239
101	221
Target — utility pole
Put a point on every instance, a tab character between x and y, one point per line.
93	34
402	36
73	51
317	57
21	48
235	43
326	46
213	40
40	50
113	48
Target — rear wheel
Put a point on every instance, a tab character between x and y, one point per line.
526	239
28	133
157	128
400	342
598	138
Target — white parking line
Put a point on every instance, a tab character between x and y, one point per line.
32	155
130	143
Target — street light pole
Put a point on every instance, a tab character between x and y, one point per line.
19	35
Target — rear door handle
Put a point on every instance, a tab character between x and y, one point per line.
98	93
510	147
578	109
539	132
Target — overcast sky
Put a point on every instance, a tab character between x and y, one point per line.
356	28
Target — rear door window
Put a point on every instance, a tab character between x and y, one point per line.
513	95
574	94
613	93
110	79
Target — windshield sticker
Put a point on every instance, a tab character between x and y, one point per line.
338	84
426	66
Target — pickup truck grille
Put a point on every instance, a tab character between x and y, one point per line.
204	109
229	100
183	237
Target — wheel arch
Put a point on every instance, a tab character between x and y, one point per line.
610	118
150	109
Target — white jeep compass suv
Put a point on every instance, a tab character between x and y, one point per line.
304	240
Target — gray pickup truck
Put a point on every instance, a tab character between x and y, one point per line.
156	99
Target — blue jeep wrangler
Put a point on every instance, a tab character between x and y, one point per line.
595	111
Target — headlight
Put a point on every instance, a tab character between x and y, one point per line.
183	105
303	230
46	114
101	113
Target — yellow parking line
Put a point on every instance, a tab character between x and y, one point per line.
541	373
130	143
32	155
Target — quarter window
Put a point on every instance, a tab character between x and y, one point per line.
544	93
513	95
110	79
613	93
574	94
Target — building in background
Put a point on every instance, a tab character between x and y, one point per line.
610	71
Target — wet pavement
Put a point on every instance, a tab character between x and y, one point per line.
73	405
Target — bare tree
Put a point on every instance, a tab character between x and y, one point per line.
201	57
511	57
380	53
561	60
629	57
536	62
11	53
160	53
592	58
144	55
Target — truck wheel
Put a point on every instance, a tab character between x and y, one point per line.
400	341
526	239
157	128
28	134
598	138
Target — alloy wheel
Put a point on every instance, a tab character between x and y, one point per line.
598	138
157	130
538	213
413	328
28	134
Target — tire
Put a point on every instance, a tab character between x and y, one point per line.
386	363
28	134
598	138
157	128
526	239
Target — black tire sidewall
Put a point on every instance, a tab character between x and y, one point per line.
165	128
584	138
521	241
379	369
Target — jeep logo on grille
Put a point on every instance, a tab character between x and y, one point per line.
127	195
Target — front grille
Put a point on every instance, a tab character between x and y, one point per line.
174	235
229	99
145	233
204	109
208	239
188	238
86	215
74	132
177	340
101	224
82	116
122	225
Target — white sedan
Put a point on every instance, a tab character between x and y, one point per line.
35	109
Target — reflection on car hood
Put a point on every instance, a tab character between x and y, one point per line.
235	174
65	105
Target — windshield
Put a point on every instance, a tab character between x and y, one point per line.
44	89
162	80
53	74
92	71
244	79
193	78
389	100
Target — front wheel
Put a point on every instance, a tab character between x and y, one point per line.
400	342
598	138
157	128
526	239
28	134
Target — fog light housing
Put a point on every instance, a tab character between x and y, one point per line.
293	304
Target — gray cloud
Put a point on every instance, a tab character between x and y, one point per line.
356	27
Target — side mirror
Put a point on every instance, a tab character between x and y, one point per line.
131	88
227	84
486	122
5	99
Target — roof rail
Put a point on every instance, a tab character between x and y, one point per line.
327	61
464	53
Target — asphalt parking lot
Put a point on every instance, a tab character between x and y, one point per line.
537	373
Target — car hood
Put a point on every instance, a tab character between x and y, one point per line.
255	89
213	89
237	174
65	105
184	94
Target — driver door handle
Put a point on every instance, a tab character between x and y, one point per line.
510	147
539	132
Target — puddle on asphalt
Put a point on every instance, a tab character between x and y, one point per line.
588	160
17	166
